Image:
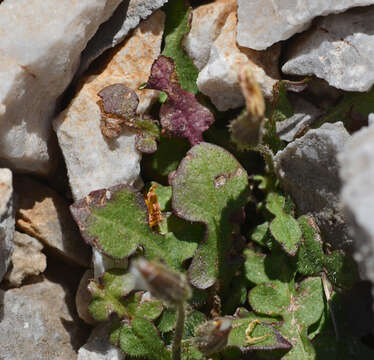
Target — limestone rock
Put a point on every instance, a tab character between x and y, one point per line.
37	323
338	49
206	25
305	114
83	298
126	17
263	23
44	214
92	161
6	220
38	58
308	169
219	79
357	174
98	346
27	259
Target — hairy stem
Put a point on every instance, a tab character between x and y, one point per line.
177	341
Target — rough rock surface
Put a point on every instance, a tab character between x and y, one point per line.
308	169
263	23
6	220
338	49
305	114
83	298
94	162
37	323
206	25
38	58
44	214
126	17
219	79
27	259
98	346
357	174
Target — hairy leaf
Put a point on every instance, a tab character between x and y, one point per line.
300	307
108	293
261	333
181	115
284	226
311	259
115	221
178	20
209	186
141	338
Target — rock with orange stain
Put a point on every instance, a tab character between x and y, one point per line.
219	79
94	162
41	42
206	25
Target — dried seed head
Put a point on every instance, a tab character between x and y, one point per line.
211	337
160	281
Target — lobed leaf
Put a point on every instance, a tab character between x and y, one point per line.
181	115
115	221
209	186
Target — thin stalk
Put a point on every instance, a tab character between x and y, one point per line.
177	341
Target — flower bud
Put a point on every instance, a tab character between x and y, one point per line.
160	281
211	337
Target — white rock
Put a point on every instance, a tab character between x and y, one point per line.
126	17
308	169
206	25
40	45
92	161
338	49
37	323
357	174
27	259
6	220
305	113
98	346
219	79
263	23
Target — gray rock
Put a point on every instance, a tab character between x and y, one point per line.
263	23
37	323
83	298
6	220
94	162
357	174
98	346
39	56
126	17
44	214
308	169
305	114
338	49
27	259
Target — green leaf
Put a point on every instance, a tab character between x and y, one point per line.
142	305
300	307
115	221
209	186
284	226
177	25
108	293
254	267
311	259
163	196
268	338
142	339
261	235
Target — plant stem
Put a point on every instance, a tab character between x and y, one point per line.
177	341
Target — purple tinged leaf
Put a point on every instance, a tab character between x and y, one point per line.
181	115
